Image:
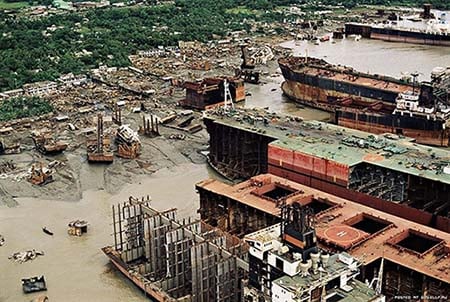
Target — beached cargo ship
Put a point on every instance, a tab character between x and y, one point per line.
317	83
424	29
372	103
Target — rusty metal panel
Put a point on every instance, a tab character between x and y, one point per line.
280	156
303	163
319	167
240	93
337	173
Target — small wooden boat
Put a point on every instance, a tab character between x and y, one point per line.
46	231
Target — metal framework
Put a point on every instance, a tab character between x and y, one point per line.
186	260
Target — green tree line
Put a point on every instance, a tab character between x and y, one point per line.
29	52
21	107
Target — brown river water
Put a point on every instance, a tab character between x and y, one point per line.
76	269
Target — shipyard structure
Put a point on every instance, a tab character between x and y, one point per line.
326	214
213	92
399	257
187	260
371	102
176	260
386	172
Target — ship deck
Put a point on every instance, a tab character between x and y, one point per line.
337	225
342	145
353	78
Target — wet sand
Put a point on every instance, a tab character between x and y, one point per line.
74	267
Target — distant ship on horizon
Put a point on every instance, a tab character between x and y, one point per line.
423	29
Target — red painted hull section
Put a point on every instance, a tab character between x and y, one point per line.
332	177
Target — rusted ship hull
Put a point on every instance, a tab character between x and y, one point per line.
402	36
359	101
316	83
424	131
145	285
435	135
319	98
426	137
103	158
313	96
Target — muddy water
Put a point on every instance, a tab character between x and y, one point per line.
75	268
375	56
270	96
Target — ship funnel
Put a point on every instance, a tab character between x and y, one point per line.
324	257
315	260
426	14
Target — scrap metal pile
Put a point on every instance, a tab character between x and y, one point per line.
262	55
25	256
40	175
9	148
46	144
128	142
7	166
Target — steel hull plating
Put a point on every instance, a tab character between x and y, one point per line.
425	131
322	92
146	286
395	35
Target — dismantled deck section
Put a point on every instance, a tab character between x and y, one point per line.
46	144
287	265
173	260
416	258
210	92
128	142
385	172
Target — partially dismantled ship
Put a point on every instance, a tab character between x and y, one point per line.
373	103
407	257
188	260
212	92
317	83
385	172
